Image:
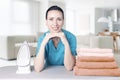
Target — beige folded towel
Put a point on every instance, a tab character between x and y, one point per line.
96	72
96	65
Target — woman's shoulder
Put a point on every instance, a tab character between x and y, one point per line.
68	33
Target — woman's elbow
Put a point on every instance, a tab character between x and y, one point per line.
69	68
38	69
37	66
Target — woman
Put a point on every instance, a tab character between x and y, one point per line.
57	46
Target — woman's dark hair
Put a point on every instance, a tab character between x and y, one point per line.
54	8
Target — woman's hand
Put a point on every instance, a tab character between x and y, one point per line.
62	37
52	35
48	37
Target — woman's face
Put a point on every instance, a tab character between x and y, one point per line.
54	21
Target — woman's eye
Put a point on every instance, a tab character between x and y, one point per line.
59	19
50	19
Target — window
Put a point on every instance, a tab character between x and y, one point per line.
25	14
21	11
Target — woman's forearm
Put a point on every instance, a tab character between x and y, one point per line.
39	60
69	59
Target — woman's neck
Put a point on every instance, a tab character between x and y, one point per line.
55	41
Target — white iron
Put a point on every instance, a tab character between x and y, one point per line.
23	59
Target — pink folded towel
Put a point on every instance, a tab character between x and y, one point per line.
96	72
94	50
95	54
97	58
96	65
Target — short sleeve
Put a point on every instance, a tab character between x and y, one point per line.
72	43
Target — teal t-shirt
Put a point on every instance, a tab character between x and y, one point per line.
53	55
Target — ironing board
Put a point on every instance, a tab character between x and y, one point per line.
50	73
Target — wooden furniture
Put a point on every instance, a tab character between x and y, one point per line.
114	35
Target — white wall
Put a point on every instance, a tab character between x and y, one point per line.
43	8
35	14
87	7
78	18
5	17
96	3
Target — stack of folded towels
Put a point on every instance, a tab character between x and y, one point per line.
95	62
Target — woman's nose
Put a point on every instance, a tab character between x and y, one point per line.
55	22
